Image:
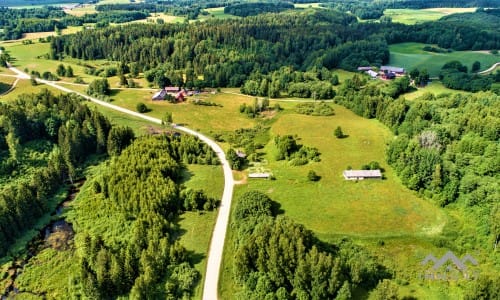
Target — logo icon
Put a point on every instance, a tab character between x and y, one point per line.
450	267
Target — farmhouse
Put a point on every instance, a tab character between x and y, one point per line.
362	174
395	70
160	95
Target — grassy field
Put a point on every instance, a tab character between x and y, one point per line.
216	12
435	87
411	55
413	16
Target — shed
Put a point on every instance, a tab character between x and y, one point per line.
365	68
362	174
172	89
259	175
372	74
160	95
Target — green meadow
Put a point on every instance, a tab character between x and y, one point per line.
412	55
413	16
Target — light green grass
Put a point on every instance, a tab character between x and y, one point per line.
25	87
217	13
413	16
411	55
435	87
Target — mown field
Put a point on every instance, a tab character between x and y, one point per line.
412	55
413	16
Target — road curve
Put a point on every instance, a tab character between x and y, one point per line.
210	288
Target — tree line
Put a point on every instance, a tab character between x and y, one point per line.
255	8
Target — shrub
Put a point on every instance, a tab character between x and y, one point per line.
312	176
141	107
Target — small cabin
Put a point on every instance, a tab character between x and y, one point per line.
372	74
362	174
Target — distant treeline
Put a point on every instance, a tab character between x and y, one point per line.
255	8
368	9
229	52
15	22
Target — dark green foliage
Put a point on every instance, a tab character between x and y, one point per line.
237	162
141	107
70	131
315	109
119	138
338	132
297	154
143	258
373	165
312	176
253	204
99	87
276	257
255	8
454	75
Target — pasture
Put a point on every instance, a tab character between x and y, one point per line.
411	55
413	16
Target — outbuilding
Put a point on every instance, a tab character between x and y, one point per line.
362	174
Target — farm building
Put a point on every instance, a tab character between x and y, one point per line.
372	74
362	174
259	175
180	96
365	68
160	95
389	75
172	89
395	70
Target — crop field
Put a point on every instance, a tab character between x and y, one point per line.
411	55
413	16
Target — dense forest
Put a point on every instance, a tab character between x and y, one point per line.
127	237
255	8
16	22
67	130
276	258
229	52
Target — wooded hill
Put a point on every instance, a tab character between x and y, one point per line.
228	52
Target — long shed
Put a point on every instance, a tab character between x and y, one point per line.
362	174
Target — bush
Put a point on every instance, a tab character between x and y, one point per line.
141	107
312	176
338	132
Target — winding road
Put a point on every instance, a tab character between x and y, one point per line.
210	288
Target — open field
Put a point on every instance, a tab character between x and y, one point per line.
216	12
435	88
307	5
413	16
411	55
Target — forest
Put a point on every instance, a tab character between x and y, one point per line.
142	258
64	132
229	52
255	8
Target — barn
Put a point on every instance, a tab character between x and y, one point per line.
362	174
